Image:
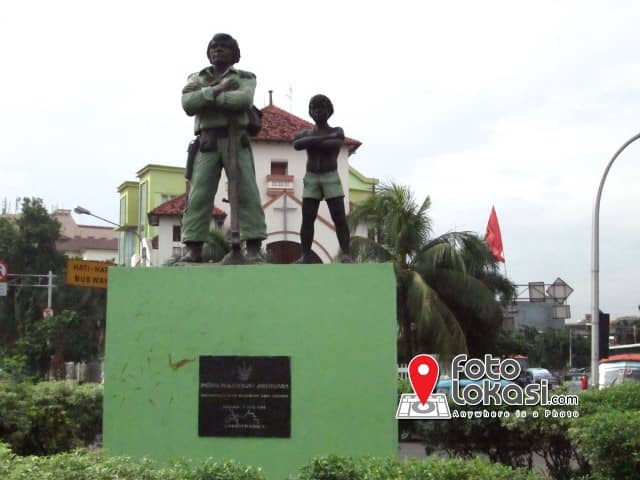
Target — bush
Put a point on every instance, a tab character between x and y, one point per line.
5	459
49	417
623	397
611	442
515	440
82	465
548	438
345	468
468	437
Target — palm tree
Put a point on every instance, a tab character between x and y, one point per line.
448	287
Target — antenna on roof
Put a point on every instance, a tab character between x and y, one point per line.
290	97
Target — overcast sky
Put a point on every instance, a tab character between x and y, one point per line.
514	104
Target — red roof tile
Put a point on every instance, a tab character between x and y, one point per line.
281	126
175	207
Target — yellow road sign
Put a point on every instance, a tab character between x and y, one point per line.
85	273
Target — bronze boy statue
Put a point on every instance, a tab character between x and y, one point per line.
323	145
221	97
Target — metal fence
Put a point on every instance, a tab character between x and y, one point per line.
84	372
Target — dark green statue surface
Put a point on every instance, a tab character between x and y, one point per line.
322	181
220	98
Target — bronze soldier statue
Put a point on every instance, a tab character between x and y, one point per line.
220	98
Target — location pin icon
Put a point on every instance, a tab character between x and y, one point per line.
423	375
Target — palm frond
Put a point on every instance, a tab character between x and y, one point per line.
459	289
400	224
436	328
367	250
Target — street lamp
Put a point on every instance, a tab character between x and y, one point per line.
83	211
595	269
143	243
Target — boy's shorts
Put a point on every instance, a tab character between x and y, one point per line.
322	185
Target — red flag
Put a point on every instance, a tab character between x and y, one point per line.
493	236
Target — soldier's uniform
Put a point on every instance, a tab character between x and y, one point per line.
212	116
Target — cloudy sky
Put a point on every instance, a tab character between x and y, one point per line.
514	104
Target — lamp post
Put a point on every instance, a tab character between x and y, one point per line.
595	268
83	211
143	247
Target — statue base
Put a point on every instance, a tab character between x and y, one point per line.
269	365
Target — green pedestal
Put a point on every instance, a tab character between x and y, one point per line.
335	322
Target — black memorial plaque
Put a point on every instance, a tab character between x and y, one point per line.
244	397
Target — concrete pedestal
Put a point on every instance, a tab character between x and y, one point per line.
336	323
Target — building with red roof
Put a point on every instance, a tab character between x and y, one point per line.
279	173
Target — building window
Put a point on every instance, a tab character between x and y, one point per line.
143	207
165	197
278	167
176	233
123	210
121	247
126	247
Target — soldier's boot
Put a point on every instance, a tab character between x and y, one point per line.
305	258
194	252
254	253
234	257
346	258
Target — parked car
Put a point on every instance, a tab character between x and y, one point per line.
538	374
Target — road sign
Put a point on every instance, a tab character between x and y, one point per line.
47	312
3	289
559	290
85	273
4	271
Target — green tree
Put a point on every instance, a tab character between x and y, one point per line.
448	287
547	348
28	244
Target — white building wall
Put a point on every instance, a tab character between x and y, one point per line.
165	239
265	153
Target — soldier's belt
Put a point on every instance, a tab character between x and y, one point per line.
209	138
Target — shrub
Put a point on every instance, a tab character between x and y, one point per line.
515	440
621	397
5	459
346	468
467	437
83	465
331	467
49	417
213	470
611	442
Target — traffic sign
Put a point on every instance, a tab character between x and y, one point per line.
85	273
47	312
559	290
3	289
4	271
